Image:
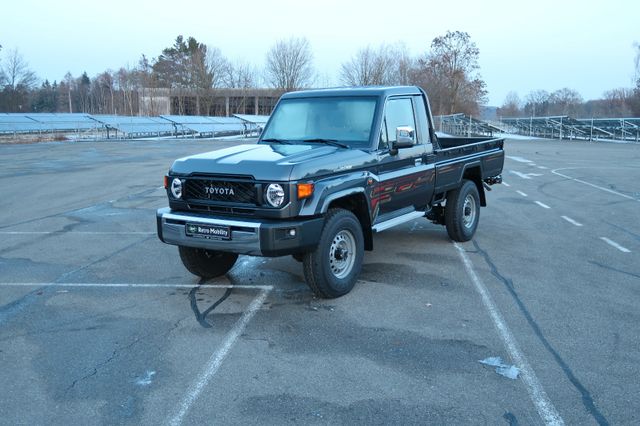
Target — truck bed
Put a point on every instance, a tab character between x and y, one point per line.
455	155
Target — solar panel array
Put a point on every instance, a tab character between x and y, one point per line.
45	122
137	126
203	126
462	124
622	128
259	120
565	127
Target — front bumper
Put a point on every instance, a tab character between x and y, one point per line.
255	237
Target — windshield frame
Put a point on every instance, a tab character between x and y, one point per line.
353	144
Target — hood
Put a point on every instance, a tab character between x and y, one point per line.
275	162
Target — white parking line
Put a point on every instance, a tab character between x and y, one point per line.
536	392
615	245
543	168
542	205
524	175
139	285
555	172
571	221
74	232
522	193
505	184
519	159
216	360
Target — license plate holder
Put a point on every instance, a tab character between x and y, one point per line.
213	232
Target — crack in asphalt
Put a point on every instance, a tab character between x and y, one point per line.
610	268
620	228
135	196
114	355
8	311
587	399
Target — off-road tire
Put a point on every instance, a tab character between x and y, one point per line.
462	212
206	263
331	270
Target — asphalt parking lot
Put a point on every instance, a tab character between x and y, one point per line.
101	324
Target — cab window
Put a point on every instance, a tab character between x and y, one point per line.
398	112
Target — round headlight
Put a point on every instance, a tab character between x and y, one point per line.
275	195
176	188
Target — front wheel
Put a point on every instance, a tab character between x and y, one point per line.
206	263
462	212
331	270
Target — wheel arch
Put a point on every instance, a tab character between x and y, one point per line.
473	172
356	203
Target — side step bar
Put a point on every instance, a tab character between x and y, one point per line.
379	227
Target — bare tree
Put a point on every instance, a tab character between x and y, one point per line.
369	67
537	103
511	105
449	72
241	75
289	64
103	93
17	73
386	65
564	102
634	102
404	64
216	65
17	81
126	83
456	56
618	102
636	46
2	76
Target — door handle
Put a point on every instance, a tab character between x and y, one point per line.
418	161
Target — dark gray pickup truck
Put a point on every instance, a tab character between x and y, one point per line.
331	168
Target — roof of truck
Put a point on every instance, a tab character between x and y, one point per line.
355	91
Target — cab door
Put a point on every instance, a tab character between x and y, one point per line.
405	178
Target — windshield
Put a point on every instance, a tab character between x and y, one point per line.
347	120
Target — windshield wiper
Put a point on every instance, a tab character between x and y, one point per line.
332	142
276	140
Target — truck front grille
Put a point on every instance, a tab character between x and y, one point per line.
216	190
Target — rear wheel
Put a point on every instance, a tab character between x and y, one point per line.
462	212
331	270
206	263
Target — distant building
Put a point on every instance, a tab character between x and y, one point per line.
213	102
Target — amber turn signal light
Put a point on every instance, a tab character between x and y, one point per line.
305	190
166	182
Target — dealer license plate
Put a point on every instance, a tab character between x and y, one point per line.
208	231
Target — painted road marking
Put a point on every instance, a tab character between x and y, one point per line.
543	168
524	175
610	191
542	205
139	285
74	232
615	245
216	360
505	184
571	221
522	193
519	159
536	392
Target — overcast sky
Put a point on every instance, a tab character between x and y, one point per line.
584	45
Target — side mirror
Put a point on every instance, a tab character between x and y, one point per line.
405	137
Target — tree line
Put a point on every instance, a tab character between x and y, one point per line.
619	103
448	70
